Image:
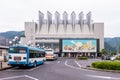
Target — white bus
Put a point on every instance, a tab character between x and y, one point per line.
50	55
25	56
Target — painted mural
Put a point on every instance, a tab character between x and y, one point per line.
79	45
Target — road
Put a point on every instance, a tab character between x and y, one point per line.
61	69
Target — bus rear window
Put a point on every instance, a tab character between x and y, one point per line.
17	50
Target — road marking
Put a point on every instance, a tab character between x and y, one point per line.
31	77
12	77
70	65
76	67
104	77
58	62
77	63
19	77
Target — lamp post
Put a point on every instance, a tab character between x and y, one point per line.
14	41
38	45
29	43
10	42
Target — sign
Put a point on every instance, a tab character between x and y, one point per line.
79	45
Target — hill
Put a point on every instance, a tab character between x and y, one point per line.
112	43
5	37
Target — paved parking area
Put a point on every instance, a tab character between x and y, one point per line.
85	63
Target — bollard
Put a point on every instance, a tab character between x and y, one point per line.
1	64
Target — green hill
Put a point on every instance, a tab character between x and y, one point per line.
5	37
112	44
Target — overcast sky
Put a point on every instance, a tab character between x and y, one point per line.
13	13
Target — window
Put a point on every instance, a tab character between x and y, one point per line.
35	54
17	50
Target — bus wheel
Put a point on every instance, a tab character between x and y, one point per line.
35	64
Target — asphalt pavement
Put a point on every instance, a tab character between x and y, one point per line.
61	69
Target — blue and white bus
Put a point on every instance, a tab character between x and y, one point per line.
25	56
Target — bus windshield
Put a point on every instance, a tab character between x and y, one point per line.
17	50
49	51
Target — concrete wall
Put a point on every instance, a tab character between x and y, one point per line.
99	33
50	31
31	32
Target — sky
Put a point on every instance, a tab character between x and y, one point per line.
13	13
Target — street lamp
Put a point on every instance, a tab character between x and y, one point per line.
29	43
10	42
14	41
38	45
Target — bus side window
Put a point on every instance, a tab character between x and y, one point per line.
43	54
39	54
31	55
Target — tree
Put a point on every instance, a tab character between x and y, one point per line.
119	49
113	53
104	52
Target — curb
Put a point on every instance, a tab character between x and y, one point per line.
5	68
89	68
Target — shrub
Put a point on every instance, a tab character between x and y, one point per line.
110	65
82	58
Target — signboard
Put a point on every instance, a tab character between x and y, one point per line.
79	45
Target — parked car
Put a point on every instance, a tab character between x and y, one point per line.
114	57
105	57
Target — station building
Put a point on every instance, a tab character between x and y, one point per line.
75	35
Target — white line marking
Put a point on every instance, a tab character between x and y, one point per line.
105	77
12	77
70	65
77	63
76	67
19	77
58	62
31	77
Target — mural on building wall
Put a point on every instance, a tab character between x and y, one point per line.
82	45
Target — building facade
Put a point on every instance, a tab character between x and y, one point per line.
51	33
3	53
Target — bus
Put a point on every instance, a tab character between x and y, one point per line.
25	56
50	55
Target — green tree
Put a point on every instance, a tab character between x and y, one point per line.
104	52
119	49
113	53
